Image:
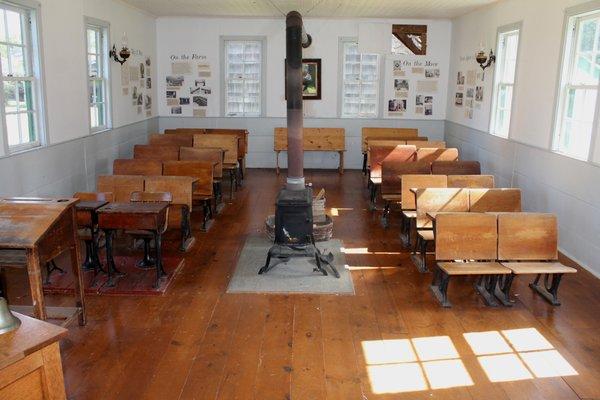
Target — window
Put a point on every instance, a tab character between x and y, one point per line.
96	35
504	80
243	77
20	78
576	109
360	82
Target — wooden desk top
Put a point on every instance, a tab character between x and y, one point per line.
30	337
133	208
24	221
90	205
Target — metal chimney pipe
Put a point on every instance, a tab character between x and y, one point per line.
294	33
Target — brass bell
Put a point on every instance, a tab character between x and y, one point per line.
8	321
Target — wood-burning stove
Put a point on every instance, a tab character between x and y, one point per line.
293	215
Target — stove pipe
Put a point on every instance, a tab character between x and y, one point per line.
296	39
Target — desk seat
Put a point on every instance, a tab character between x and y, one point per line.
473	268
542	267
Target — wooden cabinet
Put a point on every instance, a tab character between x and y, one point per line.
30	365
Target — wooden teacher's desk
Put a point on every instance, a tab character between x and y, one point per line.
34	231
30	365
315	139
135	217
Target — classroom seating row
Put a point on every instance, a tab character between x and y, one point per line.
418	222
497	247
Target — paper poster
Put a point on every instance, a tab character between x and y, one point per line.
471	77
418	70
148	114
176	110
427	86
172	101
432	73
470	93
460	78
181	68
397	106
458	99
398	69
479	93
139	110
134	74
125	91
199	112
401	86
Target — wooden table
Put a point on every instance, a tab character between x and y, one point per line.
132	216
30	365
88	218
34	231
314	139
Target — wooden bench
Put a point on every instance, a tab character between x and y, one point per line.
314	139
472	239
471	181
368	133
242	135
228	143
393	175
203	188
120	185
434	200
377	155
495	200
151	152
456	168
528	245
156	139
137	167
431	154
409	204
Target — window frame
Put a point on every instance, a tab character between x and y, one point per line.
223	41
34	62
104	28
504	30
566	61
379	83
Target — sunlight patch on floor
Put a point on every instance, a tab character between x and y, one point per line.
365	251
433	362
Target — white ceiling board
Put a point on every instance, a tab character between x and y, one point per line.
311	8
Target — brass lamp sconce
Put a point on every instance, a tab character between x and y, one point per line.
485	61
123	55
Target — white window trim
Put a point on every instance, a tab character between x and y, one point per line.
593	6
380	88
37	65
517	26
263	75
89	21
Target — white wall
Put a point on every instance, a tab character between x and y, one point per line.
73	157
550	182
178	36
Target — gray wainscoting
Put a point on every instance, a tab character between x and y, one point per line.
260	146
65	168
549	182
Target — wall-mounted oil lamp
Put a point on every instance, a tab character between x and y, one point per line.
485	61
124	54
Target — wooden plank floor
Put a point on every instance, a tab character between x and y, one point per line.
197	342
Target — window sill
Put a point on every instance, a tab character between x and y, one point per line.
22	150
94	132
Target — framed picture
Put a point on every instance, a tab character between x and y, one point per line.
311	79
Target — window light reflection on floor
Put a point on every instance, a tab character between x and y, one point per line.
431	363
408	365
335	211
365	251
